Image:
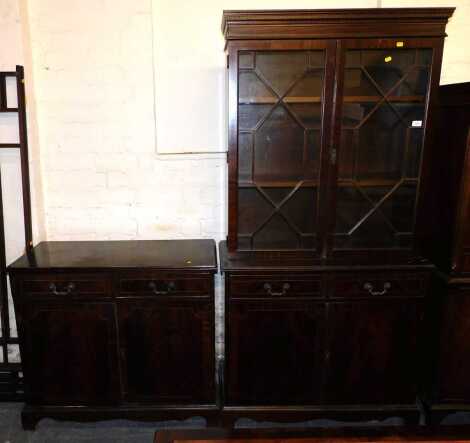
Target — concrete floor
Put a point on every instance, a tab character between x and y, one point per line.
51	431
123	431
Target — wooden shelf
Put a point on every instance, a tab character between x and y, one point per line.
314	184
8	110
374	182
9	145
346	99
278	184
272	100
377	98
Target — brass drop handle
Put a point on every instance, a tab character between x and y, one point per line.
68	289
170	286
370	287
285	287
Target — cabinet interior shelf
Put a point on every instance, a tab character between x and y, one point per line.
314	184
8	110
318	99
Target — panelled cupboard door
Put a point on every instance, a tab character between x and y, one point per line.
453	381
275	352
381	122
167	351
373	354
70	352
278	110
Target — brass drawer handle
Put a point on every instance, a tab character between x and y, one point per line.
370	287
285	287
68	289
170	286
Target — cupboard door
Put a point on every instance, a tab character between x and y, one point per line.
167	351
372	355
383	118
274	353
453	383
70	352
280	106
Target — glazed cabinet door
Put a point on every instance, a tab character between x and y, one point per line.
277	111
70	352
385	88
167	350
274	352
373	353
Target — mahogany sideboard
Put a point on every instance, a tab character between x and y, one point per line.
117	329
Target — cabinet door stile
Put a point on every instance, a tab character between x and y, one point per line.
327	147
232	147
334	147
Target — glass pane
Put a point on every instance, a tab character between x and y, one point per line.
245	157
281	69
380	148
279	123
279	148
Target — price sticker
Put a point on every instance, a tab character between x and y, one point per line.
417	123
388	59
400	44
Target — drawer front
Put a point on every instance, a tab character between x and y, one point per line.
163	284
378	284
275	285
66	285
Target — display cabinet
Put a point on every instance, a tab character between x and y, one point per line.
330	118
326	135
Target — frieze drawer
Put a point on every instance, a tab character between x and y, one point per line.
163	284
275	286
66	285
386	284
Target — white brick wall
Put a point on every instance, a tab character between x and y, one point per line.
93	72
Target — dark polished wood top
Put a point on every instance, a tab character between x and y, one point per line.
188	255
335	23
456	94
308	261
318	435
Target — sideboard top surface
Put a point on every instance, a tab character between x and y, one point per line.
190	255
243	261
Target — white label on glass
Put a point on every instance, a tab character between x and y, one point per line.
417	123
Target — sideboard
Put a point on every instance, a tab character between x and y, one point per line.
117	329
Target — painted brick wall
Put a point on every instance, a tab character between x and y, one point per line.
102	179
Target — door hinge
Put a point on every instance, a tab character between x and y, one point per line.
227	61
333	156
